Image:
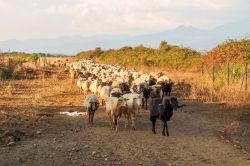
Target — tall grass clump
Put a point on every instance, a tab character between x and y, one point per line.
11	64
204	89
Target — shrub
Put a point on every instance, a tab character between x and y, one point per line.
5	73
166	56
232	51
33	57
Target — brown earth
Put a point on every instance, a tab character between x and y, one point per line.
32	132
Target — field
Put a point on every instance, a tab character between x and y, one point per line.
32	132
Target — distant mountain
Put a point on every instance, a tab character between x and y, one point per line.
186	36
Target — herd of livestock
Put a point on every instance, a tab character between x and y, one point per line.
124	92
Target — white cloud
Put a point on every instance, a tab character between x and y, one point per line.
51	18
79	9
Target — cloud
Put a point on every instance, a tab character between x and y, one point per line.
79	9
51	18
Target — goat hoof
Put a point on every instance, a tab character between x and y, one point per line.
163	133
153	131
167	134
133	128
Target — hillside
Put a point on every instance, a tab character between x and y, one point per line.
199	39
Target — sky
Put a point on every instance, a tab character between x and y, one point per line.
29	19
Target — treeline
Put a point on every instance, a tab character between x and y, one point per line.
171	56
231	51
165	56
21	57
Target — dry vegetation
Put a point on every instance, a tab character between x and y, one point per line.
185	66
33	132
31	100
195	85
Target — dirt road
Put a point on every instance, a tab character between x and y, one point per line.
44	137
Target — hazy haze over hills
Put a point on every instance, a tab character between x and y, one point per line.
187	36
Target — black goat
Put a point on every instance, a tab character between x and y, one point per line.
152	81
124	88
162	109
145	91
166	88
169	104
166	111
146	94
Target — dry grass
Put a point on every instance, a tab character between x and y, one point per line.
45	91
9	89
192	85
203	88
41	92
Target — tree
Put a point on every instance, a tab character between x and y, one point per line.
97	52
164	46
126	48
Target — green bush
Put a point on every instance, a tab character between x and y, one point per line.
33	57
165	56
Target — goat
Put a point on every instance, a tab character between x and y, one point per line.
91	104
145	91
116	92
124	87
134	102
167	88
161	108
169	104
104	93
72	75
115	107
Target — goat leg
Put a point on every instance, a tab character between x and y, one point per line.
126	120
92	118
143	102
167	128
163	131
111	122
89	116
133	121
153	124
163	94
116	122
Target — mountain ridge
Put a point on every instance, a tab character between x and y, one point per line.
187	36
